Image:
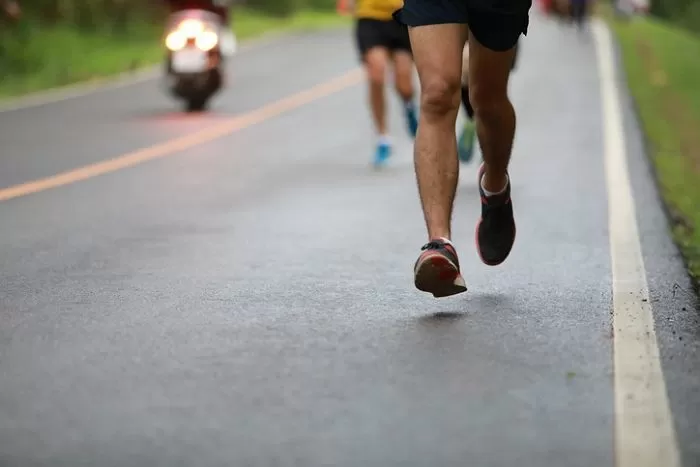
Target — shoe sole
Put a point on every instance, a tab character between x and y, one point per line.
478	225
439	276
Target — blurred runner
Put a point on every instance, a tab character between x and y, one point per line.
13	33
581	11
578	12
381	40
465	143
11	9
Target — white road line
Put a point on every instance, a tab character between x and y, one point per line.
644	432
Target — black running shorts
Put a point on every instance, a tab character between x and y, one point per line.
496	24
389	34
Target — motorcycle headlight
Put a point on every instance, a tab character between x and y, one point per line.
175	40
207	40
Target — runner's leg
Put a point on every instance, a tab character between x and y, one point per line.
403	75
466	103
492	42
465	143
375	57
438	31
403	72
376	60
403	80
438	54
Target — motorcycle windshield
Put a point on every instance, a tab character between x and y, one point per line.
210	20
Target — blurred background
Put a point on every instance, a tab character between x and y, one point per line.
110	36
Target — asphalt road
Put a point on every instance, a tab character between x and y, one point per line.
248	301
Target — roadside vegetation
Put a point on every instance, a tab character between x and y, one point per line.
662	62
54	43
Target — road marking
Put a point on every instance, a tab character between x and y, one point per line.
644	432
177	145
122	80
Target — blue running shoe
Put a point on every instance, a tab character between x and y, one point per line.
465	144
412	119
382	154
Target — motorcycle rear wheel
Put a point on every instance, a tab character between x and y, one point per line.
196	104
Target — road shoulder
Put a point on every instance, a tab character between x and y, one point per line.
675	306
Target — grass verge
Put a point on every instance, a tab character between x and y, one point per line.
60	56
663	73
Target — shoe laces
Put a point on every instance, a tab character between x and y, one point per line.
496	214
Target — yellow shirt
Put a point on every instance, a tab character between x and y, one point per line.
376	9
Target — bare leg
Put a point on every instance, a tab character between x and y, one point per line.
495	117
438	54
376	60
403	75
465	143
488	87
466	103
403	80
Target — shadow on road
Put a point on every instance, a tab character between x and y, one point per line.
474	304
442	317
173	114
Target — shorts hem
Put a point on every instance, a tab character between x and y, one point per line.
496	31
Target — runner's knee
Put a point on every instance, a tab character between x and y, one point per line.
489	103
440	94
376	61
488	81
376	74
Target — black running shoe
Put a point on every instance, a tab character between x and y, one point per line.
495	232
437	270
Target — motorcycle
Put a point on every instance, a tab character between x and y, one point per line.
194	61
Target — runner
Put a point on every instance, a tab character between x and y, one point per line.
579	10
381	40
11	9
465	143
438	31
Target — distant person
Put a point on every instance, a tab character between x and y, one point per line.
12	9
628	8
381	40
219	7
579	10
